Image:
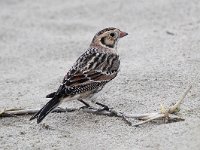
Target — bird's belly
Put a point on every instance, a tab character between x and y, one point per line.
84	95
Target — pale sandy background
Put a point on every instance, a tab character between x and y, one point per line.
41	39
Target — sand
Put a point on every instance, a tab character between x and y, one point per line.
41	39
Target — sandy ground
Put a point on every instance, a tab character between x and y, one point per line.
41	39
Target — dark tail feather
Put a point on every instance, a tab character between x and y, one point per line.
51	95
42	113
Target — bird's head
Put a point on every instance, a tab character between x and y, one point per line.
108	37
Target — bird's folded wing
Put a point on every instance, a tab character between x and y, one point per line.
92	67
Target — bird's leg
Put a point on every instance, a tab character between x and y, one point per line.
86	104
105	107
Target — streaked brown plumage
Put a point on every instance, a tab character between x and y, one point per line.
93	69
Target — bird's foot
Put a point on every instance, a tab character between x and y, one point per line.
105	107
86	107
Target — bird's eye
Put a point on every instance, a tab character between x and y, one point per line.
112	34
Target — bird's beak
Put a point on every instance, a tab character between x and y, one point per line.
122	34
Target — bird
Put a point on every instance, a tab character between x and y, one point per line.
97	66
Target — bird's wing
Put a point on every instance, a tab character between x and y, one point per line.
92	67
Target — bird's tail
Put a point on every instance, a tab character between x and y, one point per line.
42	113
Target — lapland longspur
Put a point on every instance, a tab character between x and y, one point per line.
92	70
